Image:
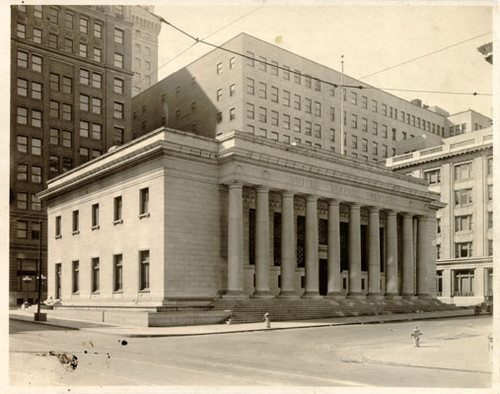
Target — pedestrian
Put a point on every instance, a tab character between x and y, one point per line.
267	319
415	334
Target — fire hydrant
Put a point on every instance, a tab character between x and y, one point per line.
267	319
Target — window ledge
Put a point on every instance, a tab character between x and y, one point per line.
76	232
118	292
119	221
144	215
144	290
58	236
96	227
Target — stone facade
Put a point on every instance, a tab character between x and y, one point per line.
461	171
183	219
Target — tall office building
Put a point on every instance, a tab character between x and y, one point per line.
144	48
461	170
273	93
71	72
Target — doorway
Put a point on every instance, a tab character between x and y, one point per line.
323	276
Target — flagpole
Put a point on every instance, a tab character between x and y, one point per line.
342	147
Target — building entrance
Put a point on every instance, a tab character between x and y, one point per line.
323	276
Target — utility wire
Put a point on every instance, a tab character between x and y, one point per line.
427	54
295	72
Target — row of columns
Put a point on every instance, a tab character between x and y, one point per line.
262	272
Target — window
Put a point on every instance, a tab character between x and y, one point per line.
68	44
297	101
76	219
84	102
250	111
58	226
36	146
354	142
97	80
118	134
262	90
21	30
219	67
232	62
36	63
68	21
75	274
117	210
118	86
490	192
96	131
384	151
54	109
22	87
22	59
22	144
83	50
84	26
37	11
317	85
274	67
22	172
35	230
37	36
463	197
374	148
462	171
118	272
374	105
219	94
463	223
84	154
97	30
490	219
354	98
384	131
118	110
67	85
144	201
54	81
36	204
489	164
374	128
36	174
274	94
463	249
144	269
274	118
317	130
118	36
297	125
296	76
67	112
54	15
250	86
263	63
96	153
317	108
307	128
84	129
118	60
22	115
463	282
307	105
67	164
286	121
95	274
250	58
433	176
232	114
97	54
490	247
354	121
36	118
364	102
22	200
22	229
364	145
286	98
286	73
96	105
262	114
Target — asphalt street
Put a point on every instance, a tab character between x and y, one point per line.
345	356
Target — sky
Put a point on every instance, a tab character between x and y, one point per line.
371	38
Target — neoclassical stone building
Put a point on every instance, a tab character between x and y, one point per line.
174	218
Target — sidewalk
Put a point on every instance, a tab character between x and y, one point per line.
145	332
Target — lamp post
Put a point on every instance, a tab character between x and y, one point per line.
40	316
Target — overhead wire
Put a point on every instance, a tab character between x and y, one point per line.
334	84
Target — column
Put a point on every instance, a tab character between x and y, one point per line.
391	275
354	250
374	252
423	251
312	263
407	256
334	280
235	240
287	244
262	242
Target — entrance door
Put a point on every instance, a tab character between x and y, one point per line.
323	276
58	281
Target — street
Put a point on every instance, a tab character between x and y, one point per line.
454	353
